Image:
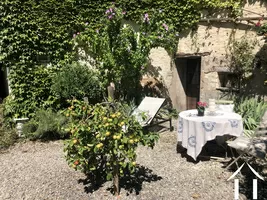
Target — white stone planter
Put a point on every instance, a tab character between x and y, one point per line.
19	124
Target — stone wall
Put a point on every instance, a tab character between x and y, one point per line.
212	41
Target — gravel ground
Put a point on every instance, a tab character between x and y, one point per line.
35	170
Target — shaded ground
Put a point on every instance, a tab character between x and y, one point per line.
39	171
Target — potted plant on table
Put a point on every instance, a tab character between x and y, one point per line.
201	108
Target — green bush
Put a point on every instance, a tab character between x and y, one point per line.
30	91
77	81
7	136
46	125
252	111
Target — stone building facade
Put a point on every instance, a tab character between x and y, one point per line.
201	65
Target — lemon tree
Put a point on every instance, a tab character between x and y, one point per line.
104	137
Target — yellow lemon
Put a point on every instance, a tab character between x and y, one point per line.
113	116
75	141
108	133
114	137
131	141
133	163
99	145
118	137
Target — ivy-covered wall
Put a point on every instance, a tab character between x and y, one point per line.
32	30
34	33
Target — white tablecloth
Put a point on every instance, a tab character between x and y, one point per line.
195	131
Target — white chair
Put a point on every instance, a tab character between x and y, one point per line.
146	112
254	146
225	105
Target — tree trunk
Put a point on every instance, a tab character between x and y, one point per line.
116	180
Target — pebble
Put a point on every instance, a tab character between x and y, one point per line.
35	170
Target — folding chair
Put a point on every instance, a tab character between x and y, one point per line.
255	146
150	106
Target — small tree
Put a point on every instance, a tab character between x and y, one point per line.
120	52
104	138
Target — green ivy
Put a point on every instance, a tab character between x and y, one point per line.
33	33
30	91
33	30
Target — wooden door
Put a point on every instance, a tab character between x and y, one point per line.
192	82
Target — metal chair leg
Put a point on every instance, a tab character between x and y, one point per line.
235	160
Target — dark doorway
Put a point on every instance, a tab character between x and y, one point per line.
189	73
3	85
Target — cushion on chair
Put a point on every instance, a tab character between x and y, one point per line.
254	146
241	143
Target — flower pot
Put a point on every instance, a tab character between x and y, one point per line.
201	112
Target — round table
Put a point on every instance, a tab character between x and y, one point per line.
194	131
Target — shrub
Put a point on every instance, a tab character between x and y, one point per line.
30	91
104	139
252	111
7	136
76	80
46	125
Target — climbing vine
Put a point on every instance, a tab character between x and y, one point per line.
42	30
34	33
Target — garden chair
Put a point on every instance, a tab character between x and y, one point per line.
255	145
225	105
150	107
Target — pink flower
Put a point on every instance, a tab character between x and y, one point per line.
124	12
107	11
165	26
78	33
258	23
146	18
86	23
74	35
202	104
110	16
